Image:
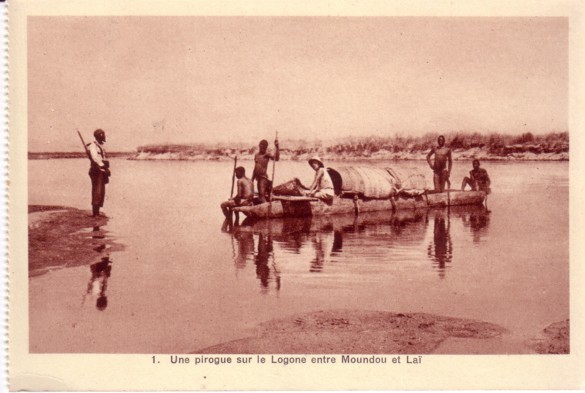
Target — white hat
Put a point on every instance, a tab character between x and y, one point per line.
317	159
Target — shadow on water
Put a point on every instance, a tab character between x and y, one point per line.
328	239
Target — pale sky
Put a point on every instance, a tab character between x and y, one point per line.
221	79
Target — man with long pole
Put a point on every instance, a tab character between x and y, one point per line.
99	170
260	173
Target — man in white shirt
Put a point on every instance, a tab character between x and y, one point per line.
99	171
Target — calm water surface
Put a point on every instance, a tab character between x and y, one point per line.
182	284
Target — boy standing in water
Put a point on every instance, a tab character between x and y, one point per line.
442	165
260	174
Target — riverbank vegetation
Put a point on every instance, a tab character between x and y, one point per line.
491	146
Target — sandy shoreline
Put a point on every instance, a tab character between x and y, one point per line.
62	237
382	332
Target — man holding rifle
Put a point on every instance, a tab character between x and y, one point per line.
99	170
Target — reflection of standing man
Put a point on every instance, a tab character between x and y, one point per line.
98	283
99	171
441	249
265	249
442	165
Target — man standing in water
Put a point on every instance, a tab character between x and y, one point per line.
99	171
442	165
260	173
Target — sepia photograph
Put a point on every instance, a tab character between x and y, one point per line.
354	188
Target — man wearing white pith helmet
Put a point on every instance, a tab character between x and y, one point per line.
322	186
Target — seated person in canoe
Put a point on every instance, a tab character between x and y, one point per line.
260	173
322	186
478	179
245	195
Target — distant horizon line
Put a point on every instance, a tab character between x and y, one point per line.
450	136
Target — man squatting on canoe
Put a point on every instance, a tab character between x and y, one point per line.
442	165
99	171
260	173
244	196
478	179
322	186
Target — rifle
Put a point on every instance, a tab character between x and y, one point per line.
106	163
84	146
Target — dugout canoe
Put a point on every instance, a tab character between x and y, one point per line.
300	206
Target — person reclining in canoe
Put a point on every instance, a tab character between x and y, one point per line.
245	195
322	186
478	179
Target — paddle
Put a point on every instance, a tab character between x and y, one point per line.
272	180
233	176
273	170
448	193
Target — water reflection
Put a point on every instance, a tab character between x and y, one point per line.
266	270
440	251
379	241
263	256
245	247
478	222
98	283
100	272
319	246
97	233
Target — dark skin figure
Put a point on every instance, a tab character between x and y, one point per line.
478	179
442	165
261	160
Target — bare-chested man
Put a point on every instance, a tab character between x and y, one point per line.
260	174
442	165
478	179
245	195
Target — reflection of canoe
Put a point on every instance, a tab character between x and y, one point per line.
329	223
292	206
339	232
351	222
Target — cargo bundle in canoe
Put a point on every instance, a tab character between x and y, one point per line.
358	190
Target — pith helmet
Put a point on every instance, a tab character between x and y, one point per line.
317	160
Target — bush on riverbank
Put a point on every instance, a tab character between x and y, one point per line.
551	146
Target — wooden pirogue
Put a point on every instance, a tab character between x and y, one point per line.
358	190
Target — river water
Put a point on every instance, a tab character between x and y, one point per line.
182	284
